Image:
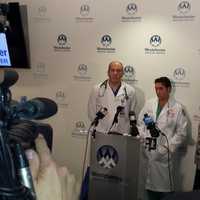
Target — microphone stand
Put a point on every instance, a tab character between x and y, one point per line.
115	121
93	134
94	125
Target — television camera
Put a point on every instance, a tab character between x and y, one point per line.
18	131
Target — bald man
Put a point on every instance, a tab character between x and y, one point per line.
115	96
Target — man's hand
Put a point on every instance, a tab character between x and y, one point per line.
51	182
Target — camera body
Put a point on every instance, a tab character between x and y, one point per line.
18	131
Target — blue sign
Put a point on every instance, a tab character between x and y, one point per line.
4	54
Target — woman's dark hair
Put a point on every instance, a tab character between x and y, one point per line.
164	81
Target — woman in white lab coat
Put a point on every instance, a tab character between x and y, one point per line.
168	118
115	96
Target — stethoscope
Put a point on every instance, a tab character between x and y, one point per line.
103	88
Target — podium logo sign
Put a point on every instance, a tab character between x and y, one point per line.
107	157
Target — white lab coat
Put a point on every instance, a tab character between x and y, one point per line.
172	122
103	97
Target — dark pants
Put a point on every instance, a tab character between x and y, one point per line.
194	195
152	195
196	185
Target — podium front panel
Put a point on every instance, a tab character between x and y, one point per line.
114	167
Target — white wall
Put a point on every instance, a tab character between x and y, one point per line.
55	74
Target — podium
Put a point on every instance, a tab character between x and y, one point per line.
114	167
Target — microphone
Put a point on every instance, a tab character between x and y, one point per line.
119	109
23	169
151	126
99	115
9	78
133	128
37	108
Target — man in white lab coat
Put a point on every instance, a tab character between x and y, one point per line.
165	120
114	96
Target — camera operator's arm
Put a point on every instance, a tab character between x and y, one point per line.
51	182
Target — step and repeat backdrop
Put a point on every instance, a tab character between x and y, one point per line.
72	42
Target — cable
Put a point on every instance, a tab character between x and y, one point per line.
168	160
85	153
